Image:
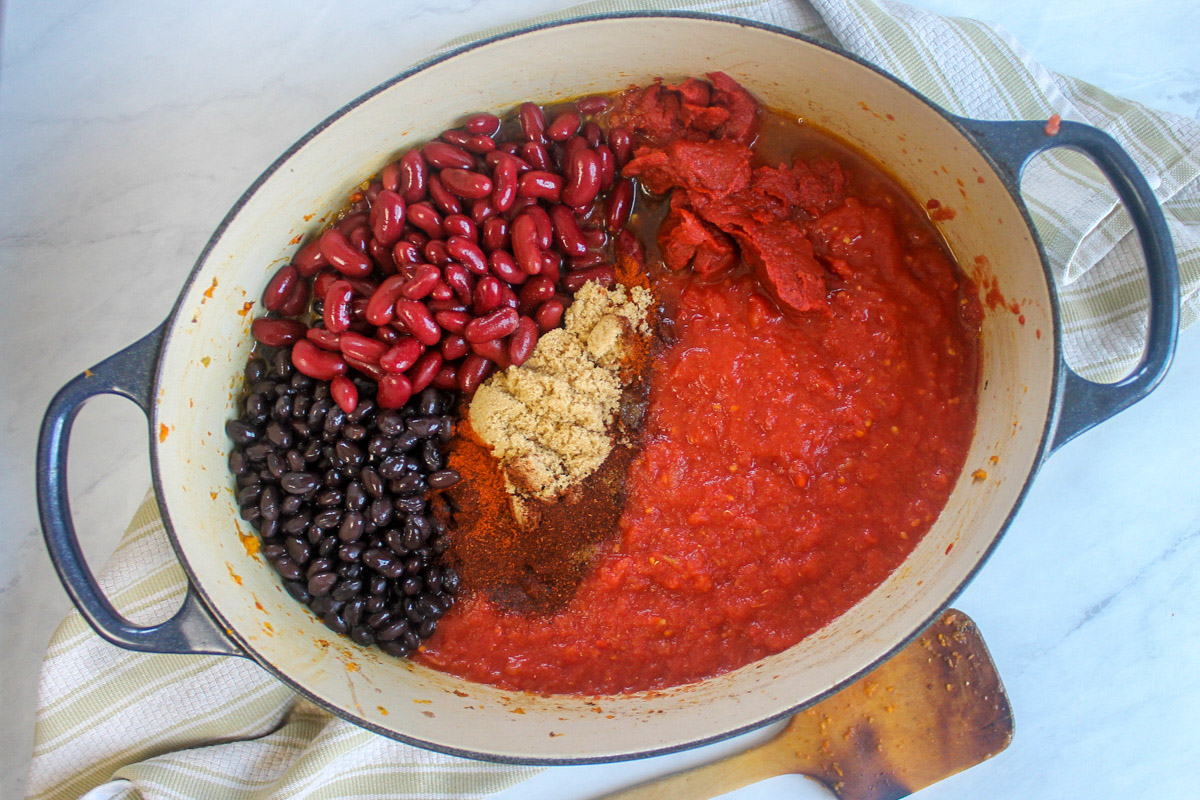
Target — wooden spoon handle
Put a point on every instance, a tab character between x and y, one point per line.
751	766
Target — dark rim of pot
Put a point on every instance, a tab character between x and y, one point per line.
734	730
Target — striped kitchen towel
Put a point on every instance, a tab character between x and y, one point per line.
117	724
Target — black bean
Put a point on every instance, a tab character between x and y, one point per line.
394	630
322	564
443	479
431	456
376	604
408	484
327	546
269	529
392	467
242	433
439	543
404	442
350	571
278	434
372	483
355	433
433	579
390	422
281	365
412	585
298	550
249	494
363	636
290	505
295	460
282	410
322	583
335	623
330	498
268	503
424	427
354	611
356	496
381	512
377	585
288	568
335	418
301	382
237	462
363	412
351	527
272	550
256	368
429	402
347	589
427	628
299	482
410	639
379	446
397	649
298	590
450	581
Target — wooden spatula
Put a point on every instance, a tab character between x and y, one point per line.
936	708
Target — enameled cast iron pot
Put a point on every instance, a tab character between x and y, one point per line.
186	374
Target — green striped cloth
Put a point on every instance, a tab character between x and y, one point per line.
118	724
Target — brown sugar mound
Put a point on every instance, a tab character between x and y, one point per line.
548	422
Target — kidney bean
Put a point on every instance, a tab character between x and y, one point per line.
358	311
505	184
608	167
436	252
363	287
394	391
443	156
413	180
487	296
522	342
387	217
479	144
593	135
596	238
452	321
351	222
536	156
564	126
343	256
380	308
296	301
525	245
592	105
483	123
566	231
422	283
402	355
606	276
387	334
545	228
279	287
536	291
466	183
324	339
495	350
442	291
454	137
473	371
317	364
569	148
374	371
414	236
446	379
509	150
337	306
540	184
390	176
381	255
454	347
482	210
552	265
505	268
549	315
494	235
518	207
360	238
309	259
418	321
424	217
445	305
442	197
344	393
422	372
583	178
622	146
458	279
277	332
533	121
467	253
619	205
460	225
364	348
372	192
509	297
406	253
323	281
589	259
496	325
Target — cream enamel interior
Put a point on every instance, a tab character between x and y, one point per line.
209	341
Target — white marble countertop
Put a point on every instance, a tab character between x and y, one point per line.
128	129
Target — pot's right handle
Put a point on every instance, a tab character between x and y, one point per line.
1083	404
129	374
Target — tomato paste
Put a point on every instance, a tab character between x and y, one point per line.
808	413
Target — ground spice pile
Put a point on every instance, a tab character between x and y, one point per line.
549	421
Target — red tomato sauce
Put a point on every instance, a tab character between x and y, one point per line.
789	463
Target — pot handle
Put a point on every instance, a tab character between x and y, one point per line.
1083	404
129	373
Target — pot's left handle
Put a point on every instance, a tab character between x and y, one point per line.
129	374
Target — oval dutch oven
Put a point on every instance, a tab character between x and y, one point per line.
1030	403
